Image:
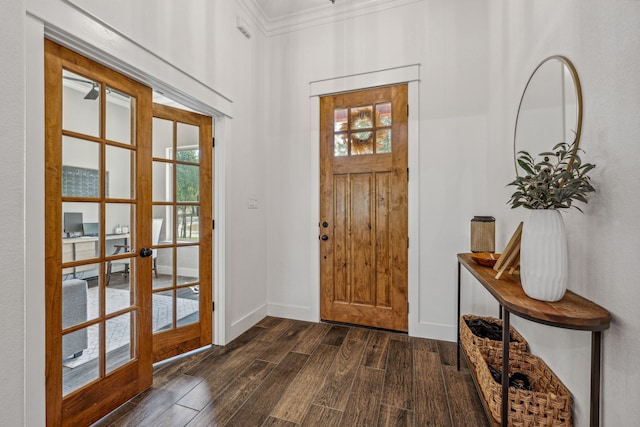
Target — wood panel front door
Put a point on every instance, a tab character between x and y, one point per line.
363	208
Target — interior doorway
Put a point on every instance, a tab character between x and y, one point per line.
363	226
120	258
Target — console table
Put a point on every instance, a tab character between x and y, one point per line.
571	312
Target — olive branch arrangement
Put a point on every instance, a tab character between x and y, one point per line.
554	182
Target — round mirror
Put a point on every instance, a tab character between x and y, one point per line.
550	110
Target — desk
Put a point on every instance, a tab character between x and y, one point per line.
571	312
83	248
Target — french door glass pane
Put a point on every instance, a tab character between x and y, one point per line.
119	115
81	233
162	138
187	305
187	183
162	181
119	165
80	357
165	212
119	221
188	264
80	104
162	310
80	168
164	264
188	223
119	338
120	294
188	143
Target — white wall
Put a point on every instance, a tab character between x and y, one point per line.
602	39
12	212
475	58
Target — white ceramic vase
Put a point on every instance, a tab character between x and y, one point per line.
543	255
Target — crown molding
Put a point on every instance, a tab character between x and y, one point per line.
313	17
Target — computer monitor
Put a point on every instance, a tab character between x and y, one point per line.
73	224
90	228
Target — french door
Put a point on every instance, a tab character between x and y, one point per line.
363	207
182	231
126	283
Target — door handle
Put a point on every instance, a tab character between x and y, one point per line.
146	252
325	237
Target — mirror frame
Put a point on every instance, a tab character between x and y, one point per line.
576	81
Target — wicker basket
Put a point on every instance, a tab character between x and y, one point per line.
471	342
548	406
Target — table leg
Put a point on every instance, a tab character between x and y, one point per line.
596	346
458	320
505	367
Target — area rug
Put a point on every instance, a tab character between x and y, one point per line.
118	329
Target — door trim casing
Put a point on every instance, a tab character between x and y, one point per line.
409	74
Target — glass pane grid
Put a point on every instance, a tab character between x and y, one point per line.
357	131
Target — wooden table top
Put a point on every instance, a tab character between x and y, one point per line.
571	312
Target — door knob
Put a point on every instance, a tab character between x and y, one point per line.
146	252
325	224
325	237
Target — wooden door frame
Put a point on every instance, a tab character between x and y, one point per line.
408	74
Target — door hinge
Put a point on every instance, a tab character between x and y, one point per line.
213	224
213	306
407	174
213	141
407	307
407	110
407	243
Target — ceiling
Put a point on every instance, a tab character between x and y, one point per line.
279	9
281	16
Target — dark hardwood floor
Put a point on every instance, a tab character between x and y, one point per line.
289	373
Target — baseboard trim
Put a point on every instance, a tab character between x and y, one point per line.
434	331
295	312
240	326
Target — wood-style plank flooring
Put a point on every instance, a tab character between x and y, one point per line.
289	373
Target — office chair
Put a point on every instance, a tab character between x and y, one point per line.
155	235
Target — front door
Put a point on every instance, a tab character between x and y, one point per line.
97	159
363	207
